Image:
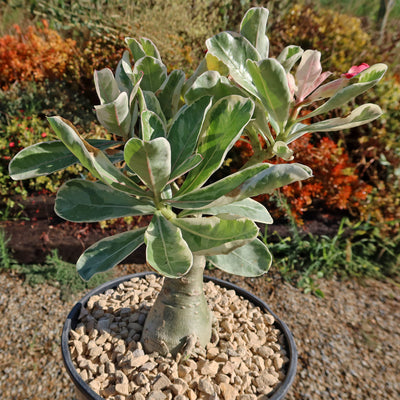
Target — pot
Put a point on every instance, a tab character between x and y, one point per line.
84	391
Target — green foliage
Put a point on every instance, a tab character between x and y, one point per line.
178	28
340	37
54	272
357	250
6	260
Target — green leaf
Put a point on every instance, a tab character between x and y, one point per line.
152	126
282	150
186	166
124	75
224	124
215	64
154	73
149	48
199	70
247	208
143	48
106	86
234	51
253	28
185	130
47	157
93	159
360	116
266	181
79	200
151	103
210	83
170	93
166	250
150	160
214	235
366	79
115	116
108	252
203	197
252	259
269	77
289	56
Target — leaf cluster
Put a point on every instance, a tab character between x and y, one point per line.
170	136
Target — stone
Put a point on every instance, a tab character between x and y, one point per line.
156	395
228	368
141	379
95	385
148	366
208	368
103	359
95	352
212	352
180	397
266	379
220	378
228	391
130	361
265	351
183	370
78	346
191	394
278	362
120	348
161	381
138	396
222	357
110	367
109	391
122	388
247	397
205	386
177	389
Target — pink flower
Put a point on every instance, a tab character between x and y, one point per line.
355	70
309	74
44	134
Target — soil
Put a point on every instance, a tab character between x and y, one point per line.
39	230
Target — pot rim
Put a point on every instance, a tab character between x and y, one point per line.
73	315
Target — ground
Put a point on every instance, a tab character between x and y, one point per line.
348	342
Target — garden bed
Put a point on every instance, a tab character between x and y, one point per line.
39	231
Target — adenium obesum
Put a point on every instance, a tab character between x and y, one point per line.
172	136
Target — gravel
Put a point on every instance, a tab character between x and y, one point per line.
244	357
348	342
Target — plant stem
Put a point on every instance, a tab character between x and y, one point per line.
179	312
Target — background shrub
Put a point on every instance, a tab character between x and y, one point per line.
35	54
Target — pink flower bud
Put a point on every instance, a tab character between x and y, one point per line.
355	70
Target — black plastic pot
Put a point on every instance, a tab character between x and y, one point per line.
85	392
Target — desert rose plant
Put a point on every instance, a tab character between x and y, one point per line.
171	135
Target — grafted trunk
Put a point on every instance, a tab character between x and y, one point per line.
180	312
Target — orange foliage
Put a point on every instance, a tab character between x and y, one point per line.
34	54
335	184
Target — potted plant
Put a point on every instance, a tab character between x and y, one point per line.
171	135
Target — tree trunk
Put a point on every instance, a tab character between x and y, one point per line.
180	312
